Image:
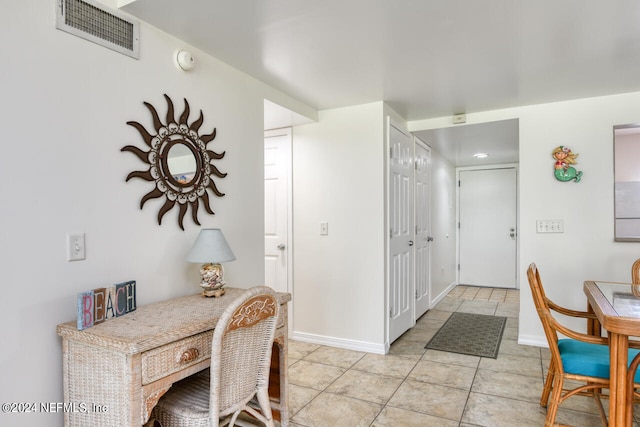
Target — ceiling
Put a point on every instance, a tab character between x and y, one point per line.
424	58
499	140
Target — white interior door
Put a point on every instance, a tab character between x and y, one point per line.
488	235
277	173
423	227
401	232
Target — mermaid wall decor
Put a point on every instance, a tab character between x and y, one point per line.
564	159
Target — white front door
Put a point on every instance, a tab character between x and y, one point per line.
423	226
488	235
277	172
401	232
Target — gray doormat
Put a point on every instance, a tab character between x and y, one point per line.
473	334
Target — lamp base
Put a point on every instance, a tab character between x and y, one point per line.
213	293
212	276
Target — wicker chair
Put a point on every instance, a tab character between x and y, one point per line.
582	358
635	272
238	379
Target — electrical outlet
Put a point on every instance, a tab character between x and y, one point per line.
75	247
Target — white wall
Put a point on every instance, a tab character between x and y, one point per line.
65	104
443	226
338	166
586	250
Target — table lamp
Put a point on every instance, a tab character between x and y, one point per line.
211	249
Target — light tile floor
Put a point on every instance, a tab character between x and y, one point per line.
411	386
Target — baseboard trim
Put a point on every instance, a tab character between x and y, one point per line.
442	294
367	347
533	340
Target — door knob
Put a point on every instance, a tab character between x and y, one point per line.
281	247
429	239
410	242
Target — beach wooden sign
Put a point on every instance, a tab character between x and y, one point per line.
101	304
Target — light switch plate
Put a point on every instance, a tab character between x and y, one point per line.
75	247
324	228
550	226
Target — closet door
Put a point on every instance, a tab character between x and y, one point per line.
401	233
422	237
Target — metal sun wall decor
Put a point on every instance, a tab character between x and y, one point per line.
564	159
179	163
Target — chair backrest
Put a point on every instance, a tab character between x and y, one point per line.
540	301
241	350
635	272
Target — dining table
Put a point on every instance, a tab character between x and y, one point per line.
617	309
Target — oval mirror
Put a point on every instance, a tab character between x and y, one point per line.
181	162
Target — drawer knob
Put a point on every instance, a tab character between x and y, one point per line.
189	355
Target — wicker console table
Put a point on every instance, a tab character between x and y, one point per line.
115	372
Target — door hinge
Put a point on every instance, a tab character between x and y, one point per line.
458	267
391	313
458	183
416	294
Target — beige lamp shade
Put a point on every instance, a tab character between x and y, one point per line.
210	247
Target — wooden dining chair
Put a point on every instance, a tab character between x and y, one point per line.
238	379
580	357
632	391
552	306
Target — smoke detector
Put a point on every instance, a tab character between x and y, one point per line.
184	60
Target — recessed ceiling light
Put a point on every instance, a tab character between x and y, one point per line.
481	155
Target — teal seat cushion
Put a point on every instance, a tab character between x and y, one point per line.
581	358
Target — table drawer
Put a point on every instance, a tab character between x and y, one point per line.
173	357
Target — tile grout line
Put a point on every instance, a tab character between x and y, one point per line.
465	293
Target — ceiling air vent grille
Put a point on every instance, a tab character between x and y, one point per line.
95	22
